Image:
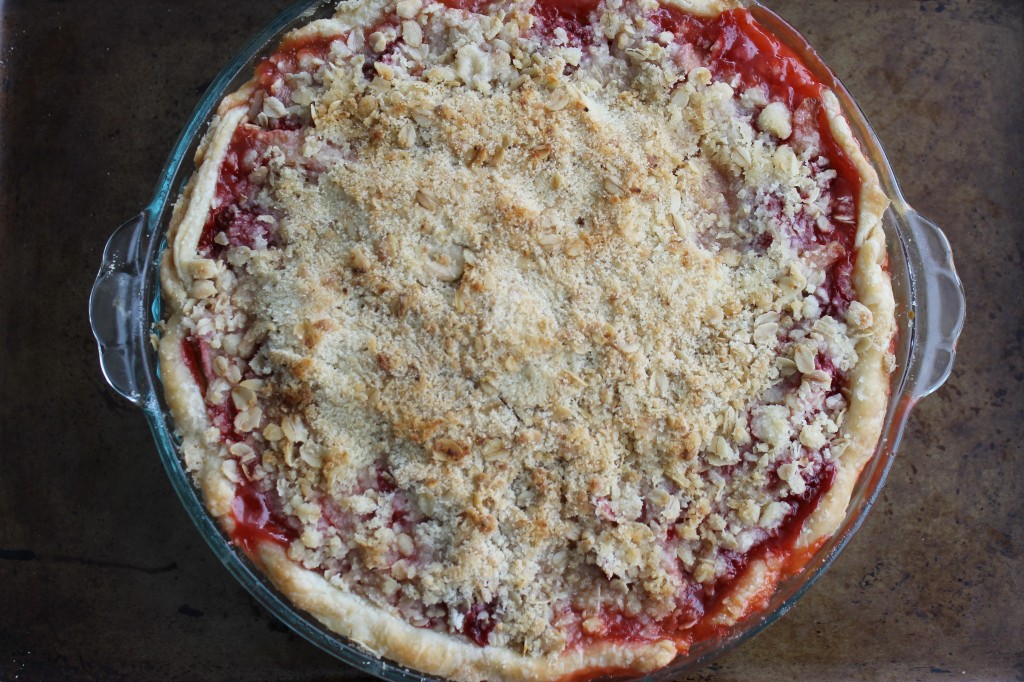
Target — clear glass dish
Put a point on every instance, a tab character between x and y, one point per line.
125	304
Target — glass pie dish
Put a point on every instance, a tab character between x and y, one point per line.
126	305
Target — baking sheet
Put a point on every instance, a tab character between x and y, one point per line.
103	576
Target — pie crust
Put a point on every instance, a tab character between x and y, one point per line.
524	341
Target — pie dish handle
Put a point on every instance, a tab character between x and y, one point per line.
940	305
117	308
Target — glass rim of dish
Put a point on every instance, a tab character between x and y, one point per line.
930	313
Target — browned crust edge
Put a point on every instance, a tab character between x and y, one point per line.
869	380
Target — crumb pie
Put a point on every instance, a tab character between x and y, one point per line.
528	339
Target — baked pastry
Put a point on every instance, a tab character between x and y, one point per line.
520	340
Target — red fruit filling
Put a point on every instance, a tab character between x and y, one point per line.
256	520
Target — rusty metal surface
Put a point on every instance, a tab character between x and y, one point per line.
102	576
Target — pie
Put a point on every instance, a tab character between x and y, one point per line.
528	339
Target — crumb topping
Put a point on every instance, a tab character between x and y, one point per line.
517	324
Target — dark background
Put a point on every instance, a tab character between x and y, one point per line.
102	575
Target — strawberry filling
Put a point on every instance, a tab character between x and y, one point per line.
292	56
234	213
256	521
479	623
572	16
198	358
